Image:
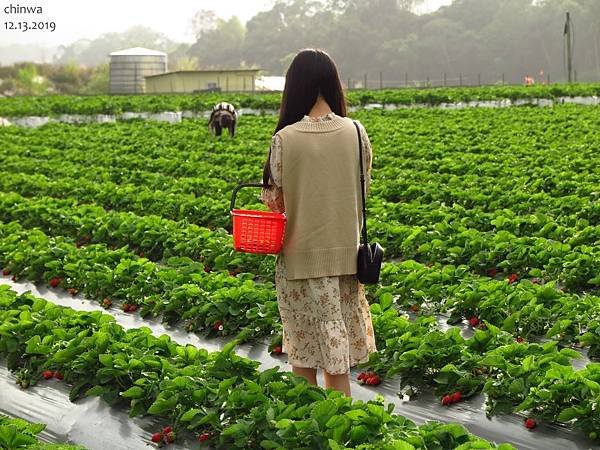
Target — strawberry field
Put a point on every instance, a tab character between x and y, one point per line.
488	304
56	105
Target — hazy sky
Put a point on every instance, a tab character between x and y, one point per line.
76	19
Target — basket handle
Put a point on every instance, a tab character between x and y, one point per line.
240	186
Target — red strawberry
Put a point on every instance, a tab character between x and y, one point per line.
47	374
446	400
530	424
232	273
277	350
126	307
6	272
106	303
414	308
361	376
14	278
218	326
374	380
520	340
493	272
157	437
54	282
133	308
456	397
207	269
58	376
167	430
72	291
512	278
170	437
204	437
473	321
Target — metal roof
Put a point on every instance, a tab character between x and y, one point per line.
203	71
138	51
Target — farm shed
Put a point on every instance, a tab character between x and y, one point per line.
187	81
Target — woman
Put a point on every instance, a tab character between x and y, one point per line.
312	174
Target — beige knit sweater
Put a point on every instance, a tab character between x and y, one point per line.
321	190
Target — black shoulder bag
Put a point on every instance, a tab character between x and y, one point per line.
370	256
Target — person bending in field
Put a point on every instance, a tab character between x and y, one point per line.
223	116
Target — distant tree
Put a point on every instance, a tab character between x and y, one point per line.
594	7
496	39
7	86
585	16
204	21
220	47
67	78
408	5
30	82
187	63
96	51
99	81
181	51
288	27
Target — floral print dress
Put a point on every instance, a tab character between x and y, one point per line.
326	321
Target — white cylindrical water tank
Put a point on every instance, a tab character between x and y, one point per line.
129	67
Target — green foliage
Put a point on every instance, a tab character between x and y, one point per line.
488	214
20	434
198	391
179	289
54	105
30	82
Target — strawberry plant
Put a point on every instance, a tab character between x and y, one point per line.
104	104
484	220
20	434
179	290
219	395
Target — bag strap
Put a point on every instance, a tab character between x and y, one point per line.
362	185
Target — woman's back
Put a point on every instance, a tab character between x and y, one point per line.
312	173
321	189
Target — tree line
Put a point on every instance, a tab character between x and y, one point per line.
478	39
475	38
384	41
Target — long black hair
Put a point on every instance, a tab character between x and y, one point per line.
312	73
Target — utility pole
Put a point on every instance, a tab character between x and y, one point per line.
569	36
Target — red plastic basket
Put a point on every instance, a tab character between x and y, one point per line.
259	232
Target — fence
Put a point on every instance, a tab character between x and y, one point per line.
445	80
